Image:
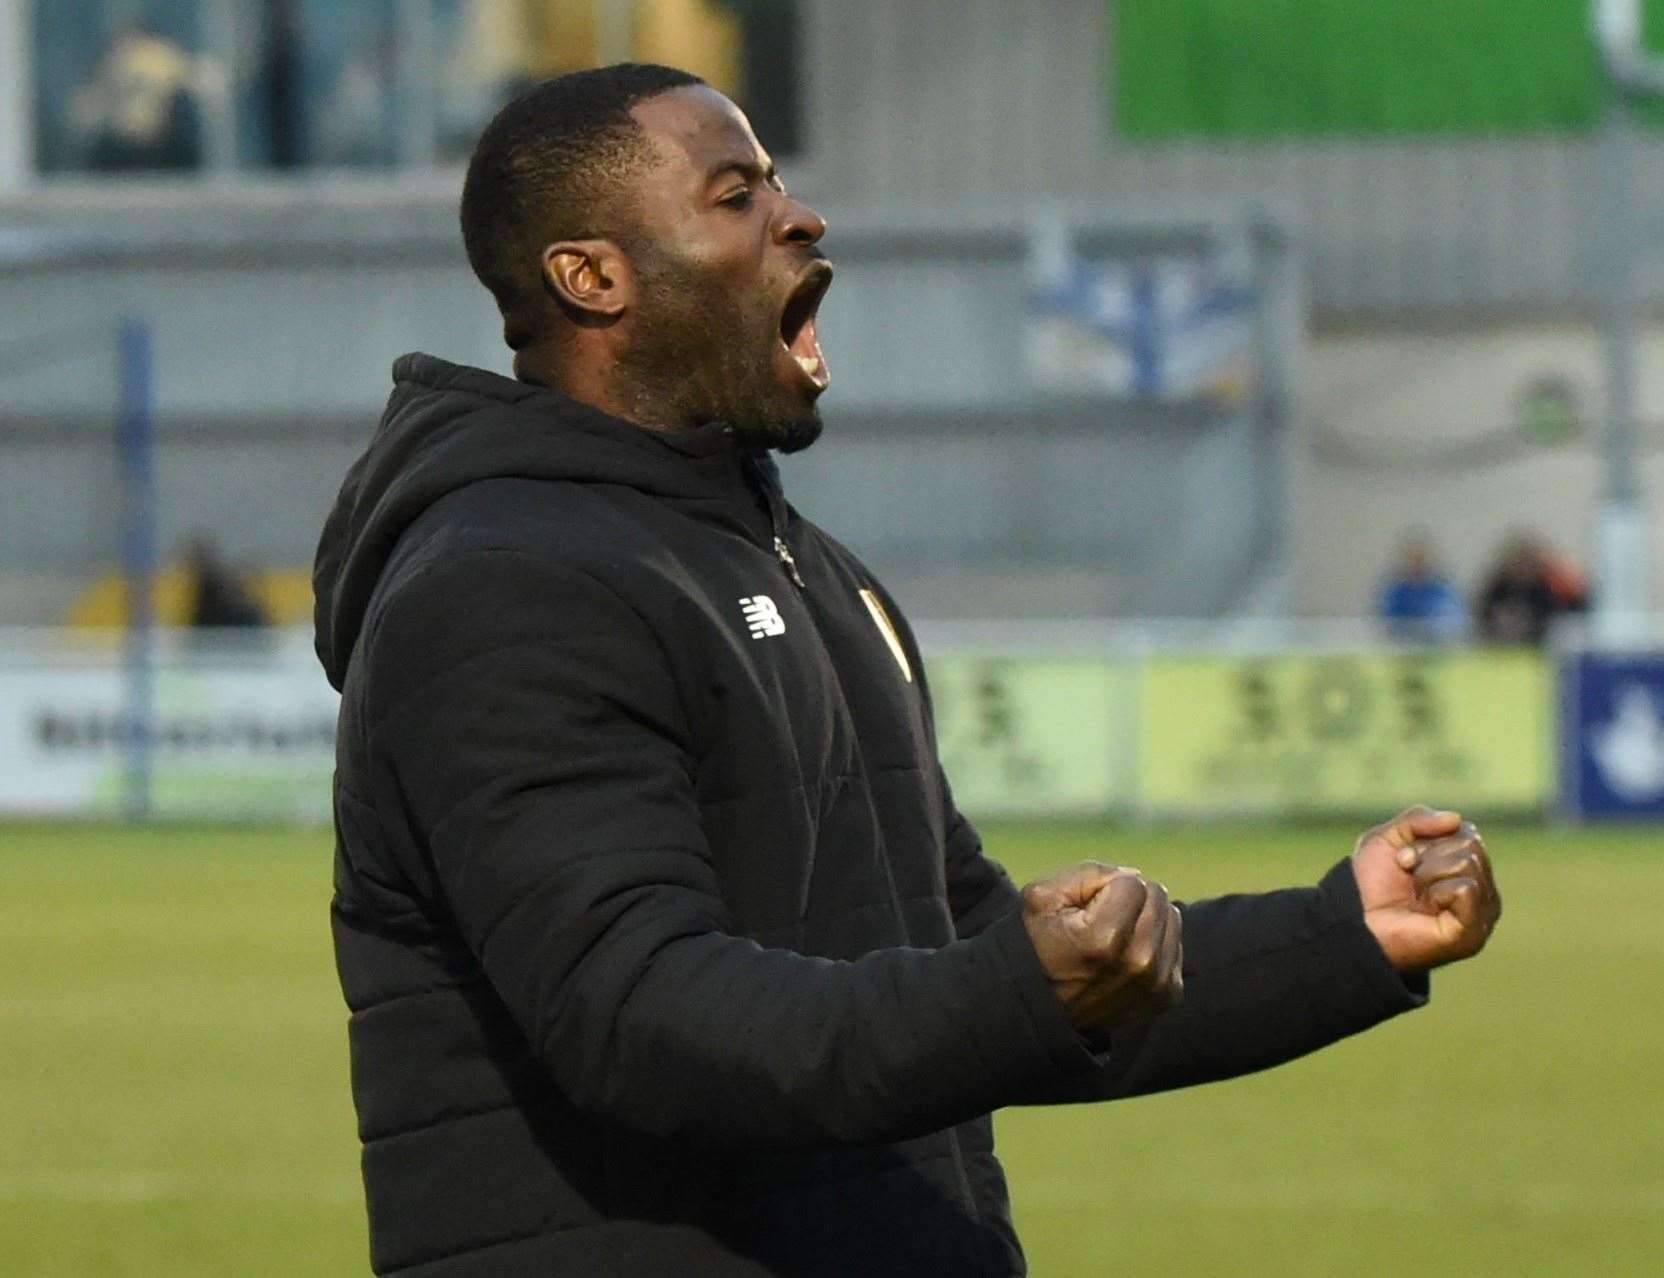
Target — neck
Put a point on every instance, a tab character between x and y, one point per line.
593	378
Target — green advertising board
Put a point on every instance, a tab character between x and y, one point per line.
1023	736
1314	68
1365	733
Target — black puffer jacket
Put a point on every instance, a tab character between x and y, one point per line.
665	947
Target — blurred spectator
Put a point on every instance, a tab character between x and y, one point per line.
1529	587
1417	601
140	110
1566	581
220	599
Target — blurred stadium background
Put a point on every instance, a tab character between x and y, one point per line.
1163	328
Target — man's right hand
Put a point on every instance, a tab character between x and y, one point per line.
1111	942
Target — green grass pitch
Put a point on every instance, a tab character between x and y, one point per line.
173	1091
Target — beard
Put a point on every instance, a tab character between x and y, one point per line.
700	355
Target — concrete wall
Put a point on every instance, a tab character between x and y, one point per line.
1419	430
277	314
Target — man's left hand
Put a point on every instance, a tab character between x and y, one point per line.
1427	889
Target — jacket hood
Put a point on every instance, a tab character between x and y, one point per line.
447	426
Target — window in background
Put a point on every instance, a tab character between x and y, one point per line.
493	49
490	50
123	86
325	88
185	85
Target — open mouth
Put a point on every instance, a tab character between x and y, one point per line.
797	324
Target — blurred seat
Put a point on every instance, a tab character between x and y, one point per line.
284	593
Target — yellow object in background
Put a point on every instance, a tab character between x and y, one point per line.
1338	732
696	35
284	594
1036	736
506	41
509	41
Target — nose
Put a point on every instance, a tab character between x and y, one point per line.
798	224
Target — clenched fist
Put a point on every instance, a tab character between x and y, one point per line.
1427	889
1111	942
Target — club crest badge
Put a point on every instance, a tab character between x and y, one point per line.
881	619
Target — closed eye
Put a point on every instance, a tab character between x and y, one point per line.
740	199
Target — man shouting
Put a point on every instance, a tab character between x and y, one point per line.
667	950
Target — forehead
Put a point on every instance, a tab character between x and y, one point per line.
696	130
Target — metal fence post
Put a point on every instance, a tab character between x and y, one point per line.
135	442
416	74
17	103
1632	72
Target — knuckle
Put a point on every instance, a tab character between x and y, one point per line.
1107	943
1116	907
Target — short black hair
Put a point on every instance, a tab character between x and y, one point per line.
547	168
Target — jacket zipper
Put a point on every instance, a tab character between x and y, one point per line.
788	561
767	481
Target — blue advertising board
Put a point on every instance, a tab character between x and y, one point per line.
1612	735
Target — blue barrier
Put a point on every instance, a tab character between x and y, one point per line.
1612	735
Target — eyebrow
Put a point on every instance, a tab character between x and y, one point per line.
748	169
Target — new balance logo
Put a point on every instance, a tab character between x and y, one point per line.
763	617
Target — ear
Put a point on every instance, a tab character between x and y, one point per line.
590	279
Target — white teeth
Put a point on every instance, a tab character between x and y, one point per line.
810	364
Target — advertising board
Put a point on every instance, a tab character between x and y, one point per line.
1345	732
245	738
1177	734
1025	736
1612	735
